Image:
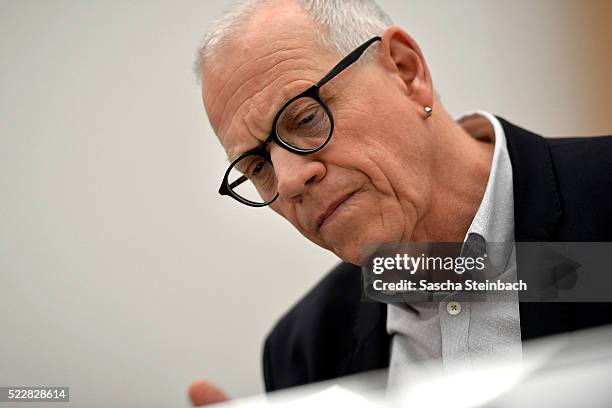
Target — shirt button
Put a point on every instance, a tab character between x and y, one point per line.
453	308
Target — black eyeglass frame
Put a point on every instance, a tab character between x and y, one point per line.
262	150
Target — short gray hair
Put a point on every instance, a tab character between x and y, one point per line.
342	24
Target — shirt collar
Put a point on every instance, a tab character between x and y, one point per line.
494	219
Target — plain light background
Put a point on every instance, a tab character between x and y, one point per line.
122	273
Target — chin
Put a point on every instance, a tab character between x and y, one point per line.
356	250
347	245
350	255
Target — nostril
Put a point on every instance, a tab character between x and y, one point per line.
310	180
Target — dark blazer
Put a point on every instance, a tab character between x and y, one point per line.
562	192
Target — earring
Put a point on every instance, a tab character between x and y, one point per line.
428	111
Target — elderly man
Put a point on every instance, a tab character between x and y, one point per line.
328	115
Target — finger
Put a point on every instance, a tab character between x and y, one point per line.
204	393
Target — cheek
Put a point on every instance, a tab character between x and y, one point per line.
371	160
396	166
397	172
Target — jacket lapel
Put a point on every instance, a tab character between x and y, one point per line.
537	211
371	346
537	206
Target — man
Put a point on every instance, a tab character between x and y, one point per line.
365	153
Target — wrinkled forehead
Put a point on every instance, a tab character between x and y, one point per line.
248	79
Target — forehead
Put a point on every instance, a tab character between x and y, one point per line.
272	58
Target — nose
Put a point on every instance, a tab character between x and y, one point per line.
295	173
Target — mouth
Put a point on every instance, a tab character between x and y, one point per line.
332	210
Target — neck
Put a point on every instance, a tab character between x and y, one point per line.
460	171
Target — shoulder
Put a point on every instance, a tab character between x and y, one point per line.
570	156
583	165
571	175
592	156
309	342
583	170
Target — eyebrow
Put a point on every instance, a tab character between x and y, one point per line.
234	156
230	158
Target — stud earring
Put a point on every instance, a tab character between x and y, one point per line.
428	111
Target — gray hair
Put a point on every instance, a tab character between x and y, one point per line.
342	24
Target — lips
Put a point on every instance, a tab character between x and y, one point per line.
331	209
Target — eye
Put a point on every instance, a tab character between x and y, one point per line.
307	119
304	124
258	167
302	115
262	176
260	171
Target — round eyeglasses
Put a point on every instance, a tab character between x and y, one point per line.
303	125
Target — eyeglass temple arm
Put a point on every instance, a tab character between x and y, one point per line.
346	61
225	189
238	182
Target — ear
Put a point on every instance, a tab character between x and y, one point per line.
402	57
